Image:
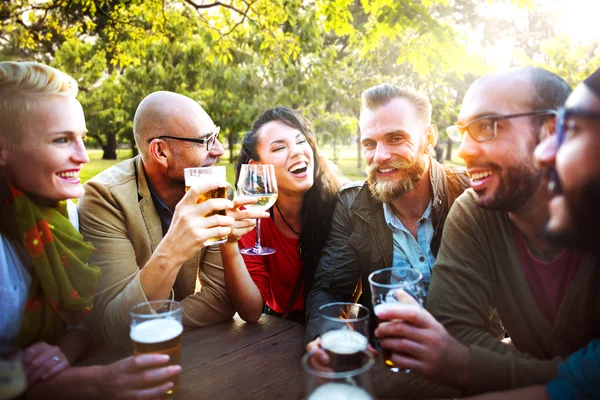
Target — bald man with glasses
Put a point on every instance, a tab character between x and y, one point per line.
493	258
150	233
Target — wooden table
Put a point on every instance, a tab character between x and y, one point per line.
236	360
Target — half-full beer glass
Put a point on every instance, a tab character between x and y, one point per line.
203	174
401	286
344	329
338	383
156	328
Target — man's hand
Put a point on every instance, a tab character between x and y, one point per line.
43	361
419	343
191	228
137	377
245	220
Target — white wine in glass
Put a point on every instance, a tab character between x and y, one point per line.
258	181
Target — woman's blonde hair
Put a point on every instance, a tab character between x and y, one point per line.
21	85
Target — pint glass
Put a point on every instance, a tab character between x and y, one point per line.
203	174
156	328
394	287
344	329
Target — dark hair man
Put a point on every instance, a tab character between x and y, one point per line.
493	257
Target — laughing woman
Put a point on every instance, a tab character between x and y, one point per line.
46	285
299	221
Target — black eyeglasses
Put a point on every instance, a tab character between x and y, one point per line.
486	128
562	118
209	141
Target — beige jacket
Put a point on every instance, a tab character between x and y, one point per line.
118	216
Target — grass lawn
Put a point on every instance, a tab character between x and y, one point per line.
346	162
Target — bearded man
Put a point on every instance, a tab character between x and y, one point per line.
396	218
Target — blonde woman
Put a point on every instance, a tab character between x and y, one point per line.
47	286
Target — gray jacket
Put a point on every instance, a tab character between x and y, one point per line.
360	241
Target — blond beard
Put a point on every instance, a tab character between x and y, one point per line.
385	190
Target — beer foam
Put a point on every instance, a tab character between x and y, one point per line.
392	306
156	331
339	391
343	341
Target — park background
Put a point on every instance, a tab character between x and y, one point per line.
240	57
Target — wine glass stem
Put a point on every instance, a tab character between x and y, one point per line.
257	246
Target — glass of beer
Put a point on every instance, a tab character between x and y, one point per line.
156	328
394	287
339	383
258	181
203	174
344	329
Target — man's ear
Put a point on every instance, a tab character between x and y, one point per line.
432	135
252	162
547	129
160	152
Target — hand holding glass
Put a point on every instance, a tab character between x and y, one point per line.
394	287
202	174
156	328
258	181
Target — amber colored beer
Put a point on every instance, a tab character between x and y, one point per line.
218	193
159	336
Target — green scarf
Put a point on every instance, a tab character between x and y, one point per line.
62	284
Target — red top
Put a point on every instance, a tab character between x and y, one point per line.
548	281
274	275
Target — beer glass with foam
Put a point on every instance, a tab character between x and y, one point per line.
343	383
203	174
344	329
396	287
156	328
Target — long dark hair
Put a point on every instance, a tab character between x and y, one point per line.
318	201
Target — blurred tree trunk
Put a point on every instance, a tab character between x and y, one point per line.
230	140
110	148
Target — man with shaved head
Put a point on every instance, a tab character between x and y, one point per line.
493	257
149	233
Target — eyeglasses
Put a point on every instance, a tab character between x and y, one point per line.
210	140
486	128
562	118
563	115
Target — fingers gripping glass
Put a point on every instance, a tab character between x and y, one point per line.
485	128
209	140
258	181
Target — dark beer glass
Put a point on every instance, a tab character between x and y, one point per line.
344	328
395	287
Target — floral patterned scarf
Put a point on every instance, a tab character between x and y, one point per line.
62	285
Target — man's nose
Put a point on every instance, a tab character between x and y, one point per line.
545	152
469	148
382	153
217	150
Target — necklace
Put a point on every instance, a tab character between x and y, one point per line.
284	221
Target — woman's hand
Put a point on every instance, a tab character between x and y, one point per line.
43	361
137	377
245	220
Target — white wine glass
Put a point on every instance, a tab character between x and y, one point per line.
258	181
